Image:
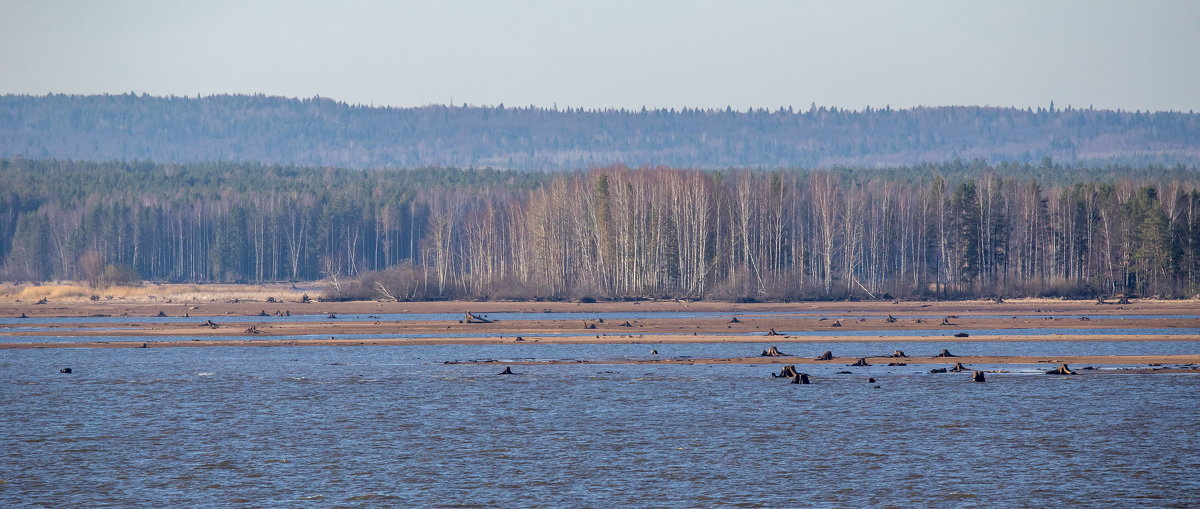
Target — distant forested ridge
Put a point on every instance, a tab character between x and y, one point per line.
321	132
946	230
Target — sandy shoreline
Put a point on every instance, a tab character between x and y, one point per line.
240	324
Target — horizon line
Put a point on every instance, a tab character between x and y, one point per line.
790	108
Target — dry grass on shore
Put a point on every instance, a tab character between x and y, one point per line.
73	292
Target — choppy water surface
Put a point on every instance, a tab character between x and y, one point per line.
393	426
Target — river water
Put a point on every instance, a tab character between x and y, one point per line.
395	426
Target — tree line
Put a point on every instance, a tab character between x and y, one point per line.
324	132
946	231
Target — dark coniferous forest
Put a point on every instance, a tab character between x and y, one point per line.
951	229
322	132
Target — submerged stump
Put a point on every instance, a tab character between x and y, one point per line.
773	352
958	368
860	362
801	378
945	353
977	377
788	371
1062	369
507	371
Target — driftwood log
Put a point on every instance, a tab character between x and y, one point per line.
938	370
773	352
945	353
788	371
962	335
897	364
977	377
801	378
860	362
1062	369
827	356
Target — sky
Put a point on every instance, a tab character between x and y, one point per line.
1132	55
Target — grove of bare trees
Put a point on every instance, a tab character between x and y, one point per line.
948	231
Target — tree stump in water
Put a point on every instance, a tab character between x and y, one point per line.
519	338
860	362
937	370
735	320
253	330
890	319
65	370
773	333
653	352
626	324
773	352
897	364
827	356
145	345
470	318
209	324
946	321
22	316
263	313
162	315
589	326
836	323
331	316
801	378
962	335
945	353
977	377
958	368
870	380
899	354
788	371
1062	369
507	371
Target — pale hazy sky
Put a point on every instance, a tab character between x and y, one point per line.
1134	54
